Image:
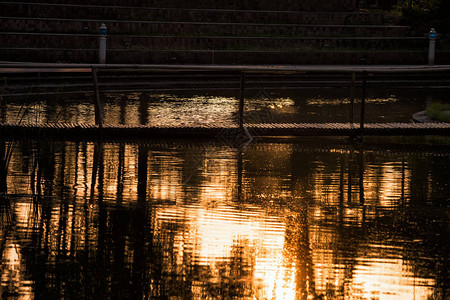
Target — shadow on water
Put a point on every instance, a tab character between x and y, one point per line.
284	220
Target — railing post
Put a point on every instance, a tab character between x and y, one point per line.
241	102
432	35
352	97
98	103
363	102
102	45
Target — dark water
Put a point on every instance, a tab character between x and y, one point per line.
285	219
220	107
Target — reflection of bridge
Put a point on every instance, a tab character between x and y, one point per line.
291	129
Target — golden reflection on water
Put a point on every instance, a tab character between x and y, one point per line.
224	233
389	279
283	223
322	101
138	108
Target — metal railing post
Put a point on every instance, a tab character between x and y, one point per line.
352	97
97	102
241	102
102	45
363	102
432	35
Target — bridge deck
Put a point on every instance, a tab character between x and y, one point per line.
272	129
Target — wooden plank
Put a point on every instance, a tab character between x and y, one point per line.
300	129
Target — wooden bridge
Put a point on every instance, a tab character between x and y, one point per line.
227	133
241	129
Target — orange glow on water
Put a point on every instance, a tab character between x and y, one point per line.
305	225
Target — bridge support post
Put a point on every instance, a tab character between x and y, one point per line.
352	97
97	102
363	103
241	102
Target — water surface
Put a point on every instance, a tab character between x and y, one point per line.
174	219
190	220
220	107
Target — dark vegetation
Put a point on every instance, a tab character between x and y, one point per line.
420	14
424	14
439	111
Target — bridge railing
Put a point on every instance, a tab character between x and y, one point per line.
361	70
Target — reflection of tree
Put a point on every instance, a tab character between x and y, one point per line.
8	273
233	276
104	244
3	168
439	182
141	233
297	247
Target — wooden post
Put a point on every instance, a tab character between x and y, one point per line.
98	103
363	102
241	103
352	97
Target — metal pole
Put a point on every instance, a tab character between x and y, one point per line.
102	45
241	102
352	97
98	103
431	52
363	102
432	47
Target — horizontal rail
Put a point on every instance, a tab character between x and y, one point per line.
69	5
67	68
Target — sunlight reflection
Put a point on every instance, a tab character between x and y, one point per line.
389	279
214	233
306	224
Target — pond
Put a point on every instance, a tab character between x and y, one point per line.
190	219
219	107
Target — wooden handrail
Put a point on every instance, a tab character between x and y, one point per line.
67	68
